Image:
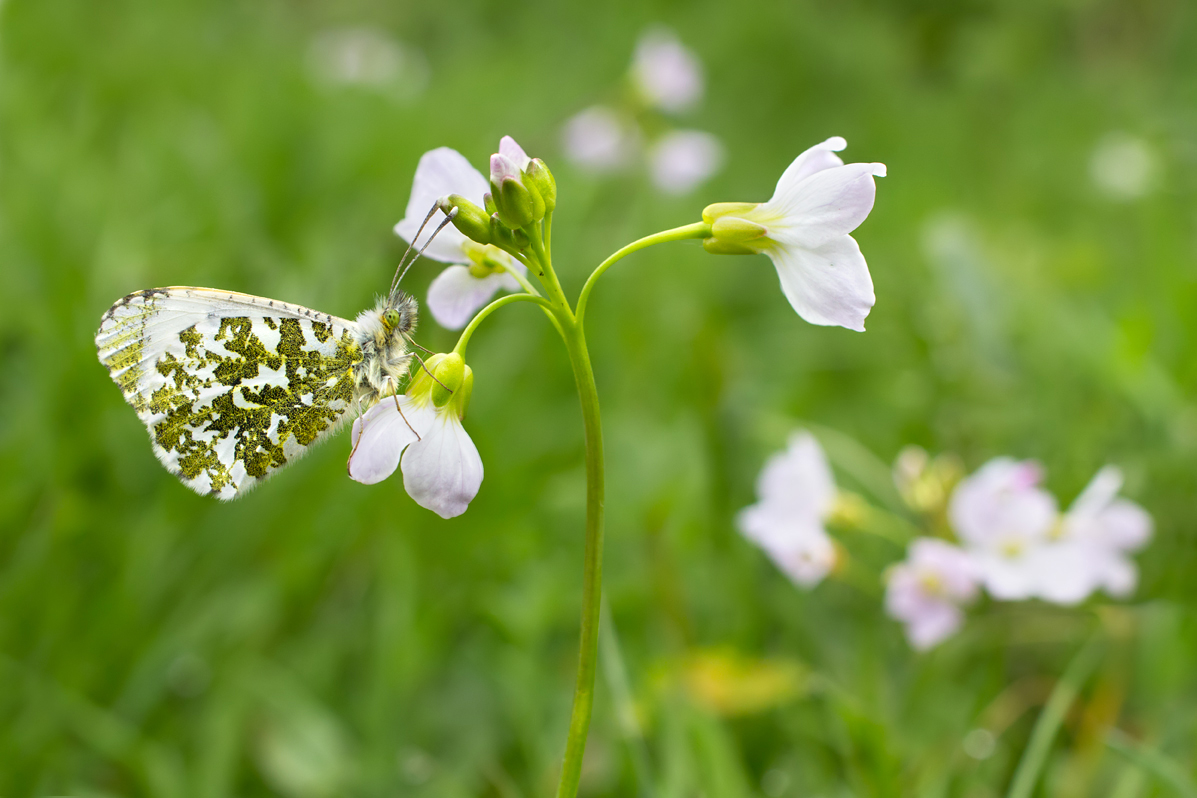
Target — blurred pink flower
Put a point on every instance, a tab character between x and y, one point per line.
665	73
598	140
927	590
1004	520
682	159
796	493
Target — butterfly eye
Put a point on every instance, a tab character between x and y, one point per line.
390	318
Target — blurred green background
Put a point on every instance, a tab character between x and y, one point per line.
324	638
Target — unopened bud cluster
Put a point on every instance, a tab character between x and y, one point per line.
522	192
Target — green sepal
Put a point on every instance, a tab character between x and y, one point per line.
735	230
449	374
717	247
514	202
538	176
488	202
714	211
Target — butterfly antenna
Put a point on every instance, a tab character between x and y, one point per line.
424	366
448	218
412	243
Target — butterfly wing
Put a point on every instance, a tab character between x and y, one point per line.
231	387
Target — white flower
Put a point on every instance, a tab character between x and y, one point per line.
926	591
1004	520
1094	539
682	159
796	493
460	290
442	470
804	229
665	73
597	140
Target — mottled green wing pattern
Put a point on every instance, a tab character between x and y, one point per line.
231	387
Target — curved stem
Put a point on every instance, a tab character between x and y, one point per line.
696	230
523	280
464	340
592	573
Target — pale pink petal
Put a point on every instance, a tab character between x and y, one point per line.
939	622
379	437
825	206
441	172
683	159
1002	504
597	139
667	74
514	152
456	295
798	481
829	285
443	471
806	559
816	159
1007	578
1066	572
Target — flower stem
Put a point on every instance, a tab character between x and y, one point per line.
696	230
464	340
592	573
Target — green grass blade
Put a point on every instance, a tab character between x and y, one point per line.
1058	704
1165	769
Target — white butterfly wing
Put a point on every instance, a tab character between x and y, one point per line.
231	387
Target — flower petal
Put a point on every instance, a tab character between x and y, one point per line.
513	151
443	471
379	437
829	285
682	159
816	159
440	172
826	205
456	295
798	481
805	558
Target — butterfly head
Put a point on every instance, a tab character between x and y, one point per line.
400	315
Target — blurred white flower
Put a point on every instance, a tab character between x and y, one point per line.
665	73
682	159
1090	551
1004	520
442	470
804	229
459	291
927	590
796	493
1123	167
598	140
367	57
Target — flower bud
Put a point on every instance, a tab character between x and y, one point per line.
449	374
501	234
514	202
488	202
472	221
539	176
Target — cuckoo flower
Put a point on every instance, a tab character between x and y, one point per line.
804	229
460	290
1005	520
927	590
1090	550
682	159
665	73
421	432
796	493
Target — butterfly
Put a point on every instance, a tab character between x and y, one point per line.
234	387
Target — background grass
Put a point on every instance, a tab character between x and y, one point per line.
321	637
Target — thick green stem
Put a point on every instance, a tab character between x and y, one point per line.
696	230
592	573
